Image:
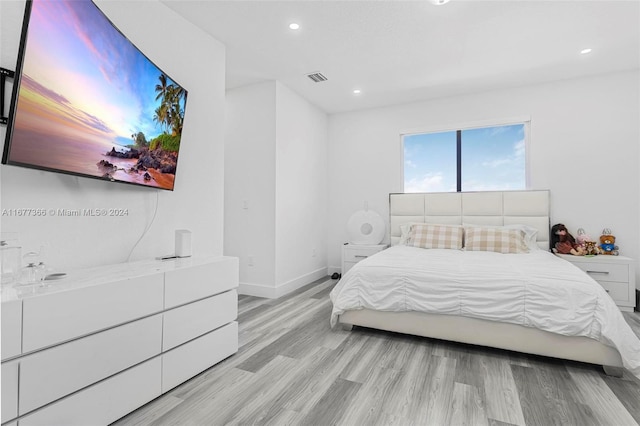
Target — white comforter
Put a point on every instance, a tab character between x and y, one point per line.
536	289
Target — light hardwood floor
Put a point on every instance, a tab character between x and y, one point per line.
292	369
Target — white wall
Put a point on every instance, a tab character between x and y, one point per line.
584	148
276	166
197	62
250	180
301	189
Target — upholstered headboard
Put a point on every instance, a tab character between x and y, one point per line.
529	208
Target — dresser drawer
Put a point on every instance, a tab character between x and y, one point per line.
189	284
11	328
184	362
9	390
55	372
59	317
195	319
605	271
104	402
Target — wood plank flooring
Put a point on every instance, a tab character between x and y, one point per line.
292	369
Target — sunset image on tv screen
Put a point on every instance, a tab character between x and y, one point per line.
90	103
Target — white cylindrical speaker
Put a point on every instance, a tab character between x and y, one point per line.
183	243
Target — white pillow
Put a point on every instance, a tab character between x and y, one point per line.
404	234
530	235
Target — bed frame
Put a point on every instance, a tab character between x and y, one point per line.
481	208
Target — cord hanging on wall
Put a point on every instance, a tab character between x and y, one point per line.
4	74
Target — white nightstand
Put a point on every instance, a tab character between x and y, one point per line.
615	273
354	253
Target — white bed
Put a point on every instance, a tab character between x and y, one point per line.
533	303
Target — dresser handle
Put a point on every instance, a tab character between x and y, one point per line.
361	256
598	272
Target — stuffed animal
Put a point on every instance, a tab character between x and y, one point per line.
583	238
590	248
563	242
608	243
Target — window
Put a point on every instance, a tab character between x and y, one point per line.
474	159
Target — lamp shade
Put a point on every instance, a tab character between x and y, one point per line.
365	227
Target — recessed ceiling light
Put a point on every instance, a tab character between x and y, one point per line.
357	91
294	26
439	2
585	51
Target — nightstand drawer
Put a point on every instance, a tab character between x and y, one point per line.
617	290
355	256
616	274
358	255
354	253
605	271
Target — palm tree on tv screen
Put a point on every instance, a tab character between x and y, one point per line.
170	113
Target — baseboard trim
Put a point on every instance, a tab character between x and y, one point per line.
260	290
301	281
257	290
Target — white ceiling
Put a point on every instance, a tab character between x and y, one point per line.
403	51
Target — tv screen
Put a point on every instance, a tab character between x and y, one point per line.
87	102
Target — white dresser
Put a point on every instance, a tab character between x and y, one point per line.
100	343
354	253
615	273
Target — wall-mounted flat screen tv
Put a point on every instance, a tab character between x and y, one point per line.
87	102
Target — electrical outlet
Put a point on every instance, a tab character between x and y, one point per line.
250	261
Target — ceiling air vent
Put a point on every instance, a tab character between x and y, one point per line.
317	77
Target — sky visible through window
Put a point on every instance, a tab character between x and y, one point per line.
493	158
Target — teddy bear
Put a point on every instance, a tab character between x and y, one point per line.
608	243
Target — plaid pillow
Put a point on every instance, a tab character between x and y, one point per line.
501	240
425	235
